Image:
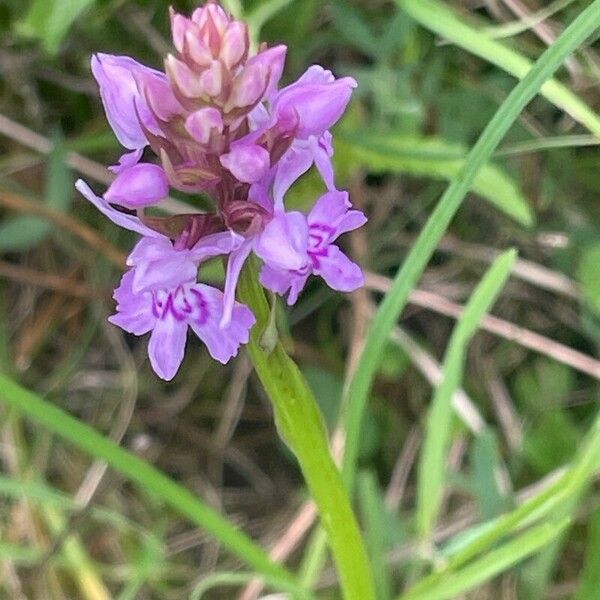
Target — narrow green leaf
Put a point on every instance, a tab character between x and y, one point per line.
377	524
438	159
590	576
438	430
146	477
589	276
559	498
424	247
437	17
492	564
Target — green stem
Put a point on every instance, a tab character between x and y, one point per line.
301	426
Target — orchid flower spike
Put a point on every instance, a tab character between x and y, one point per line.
216	122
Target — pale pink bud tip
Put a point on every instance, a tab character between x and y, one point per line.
201	123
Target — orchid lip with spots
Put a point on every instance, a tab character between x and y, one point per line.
218	123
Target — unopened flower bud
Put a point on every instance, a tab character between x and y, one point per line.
202	123
248	86
181	76
196	50
247	162
211	80
179	27
273	60
138	186
234	45
211	13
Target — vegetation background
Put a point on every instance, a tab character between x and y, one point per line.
521	440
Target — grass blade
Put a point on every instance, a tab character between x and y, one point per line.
440	19
146	477
415	263
438	429
492	564
438	159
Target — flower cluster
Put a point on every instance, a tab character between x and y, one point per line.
219	125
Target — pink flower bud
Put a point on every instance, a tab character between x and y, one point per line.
234	45
138	186
181	76
179	27
196	50
211	80
247	162
202	123
248	86
212	13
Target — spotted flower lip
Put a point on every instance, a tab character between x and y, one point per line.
331	216
218	123
167	313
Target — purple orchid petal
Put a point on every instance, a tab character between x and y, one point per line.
294	163
124	220
283	243
222	342
319	103
322	153
123	103
215	244
132	316
281	282
234	267
248	163
333	211
158	265
142	185
127	160
338	271
167	346
314	74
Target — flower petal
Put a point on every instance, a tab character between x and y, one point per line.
222	342
294	163
129	159
121	99
283	243
333	210
280	281
234	267
318	101
338	271
247	162
124	220
215	244
141	185
167	346
134	311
